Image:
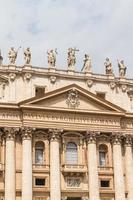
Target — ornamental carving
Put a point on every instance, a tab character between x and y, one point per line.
10	133
128	140
89	83
12	76
124	88
73	182
112	85
91	136
27	76
53	79
73	99
55	134
40	134
26	132
116	138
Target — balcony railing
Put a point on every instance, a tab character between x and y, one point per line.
105	168
72	168
40	167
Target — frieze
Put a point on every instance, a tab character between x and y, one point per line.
72	118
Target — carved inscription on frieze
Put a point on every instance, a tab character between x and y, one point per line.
72	118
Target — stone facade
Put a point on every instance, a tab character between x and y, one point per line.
65	135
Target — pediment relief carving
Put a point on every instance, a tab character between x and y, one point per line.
72	97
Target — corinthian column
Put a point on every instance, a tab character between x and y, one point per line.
26	164
55	186
118	168
10	164
92	167
129	166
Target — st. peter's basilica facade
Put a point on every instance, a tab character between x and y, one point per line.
64	134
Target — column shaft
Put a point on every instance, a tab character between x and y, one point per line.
10	166
26	167
92	169
118	169
55	186
129	167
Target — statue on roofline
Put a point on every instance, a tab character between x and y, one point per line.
1	59
27	56
108	67
122	68
12	55
52	57
87	64
71	60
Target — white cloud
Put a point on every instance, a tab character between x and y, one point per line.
99	27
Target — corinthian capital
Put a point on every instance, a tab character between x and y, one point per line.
26	133
116	138
91	136
128	140
10	133
55	134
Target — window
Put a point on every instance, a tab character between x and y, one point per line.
40	182
39	153
71	153
105	183
39	91
101	95
102	155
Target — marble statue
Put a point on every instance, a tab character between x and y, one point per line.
52	57
87	64
1	59
71	60
122	68
12	55
108	67
27	56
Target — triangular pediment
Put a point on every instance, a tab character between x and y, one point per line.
74	98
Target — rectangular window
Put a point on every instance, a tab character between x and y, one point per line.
102	158
101	95
105	183
40	182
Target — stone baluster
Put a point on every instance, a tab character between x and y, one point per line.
10	189
55	186
129	166
26	164
118	167
92	167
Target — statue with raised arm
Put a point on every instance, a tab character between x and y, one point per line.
52	57
12	55
71	60
87	64
108	67
122	68
27	56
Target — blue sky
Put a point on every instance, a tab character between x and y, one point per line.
101	28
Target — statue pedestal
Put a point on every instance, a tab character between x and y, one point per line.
111	76
51	69
12	67
88	73
26	66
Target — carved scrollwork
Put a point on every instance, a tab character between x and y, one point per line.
10	133
112	85
27	76
91	137
89	83
128	140
55	134
26	133
116	138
